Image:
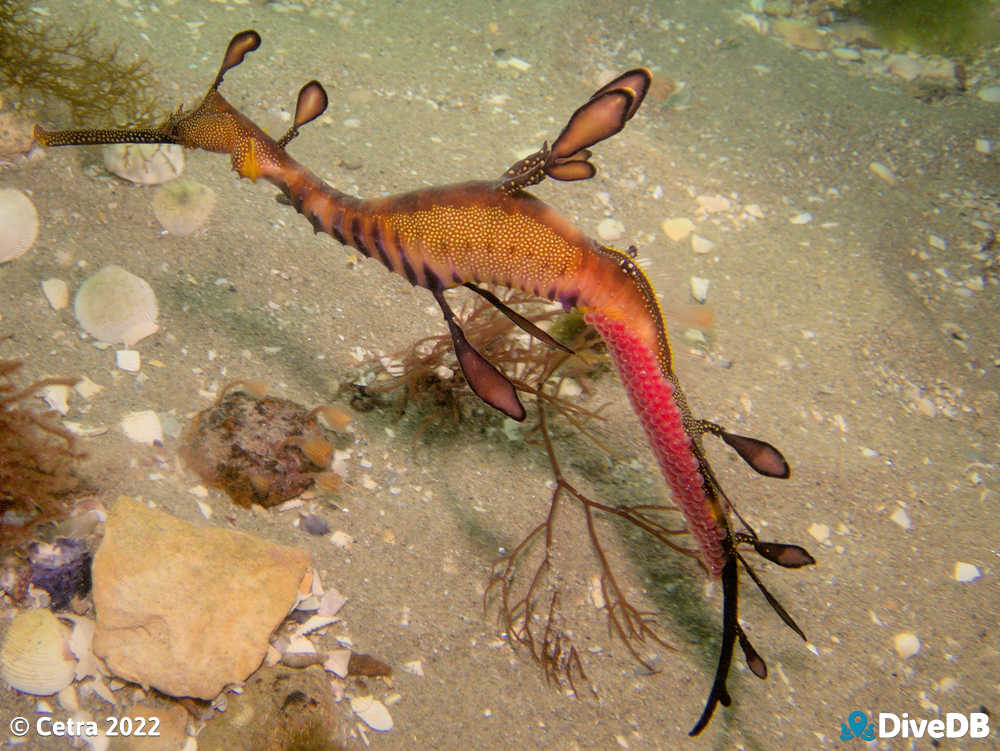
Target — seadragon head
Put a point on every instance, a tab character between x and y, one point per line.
214	125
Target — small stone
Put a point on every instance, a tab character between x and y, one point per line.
701	245
937	242
184	608
677	229
517	63
990	94
906	67
901	518
128	359
883	172
966	572
143	427
906	644
699	288
610	229
802	218
846	53
56	291
820	532
800	34
984	146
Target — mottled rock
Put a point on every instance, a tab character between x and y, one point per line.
185	608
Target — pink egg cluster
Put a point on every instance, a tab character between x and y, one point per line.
652	397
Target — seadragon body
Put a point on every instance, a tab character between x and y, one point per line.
496	233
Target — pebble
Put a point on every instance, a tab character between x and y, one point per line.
990	94
937	242
56	291
883	172
699	288
966	572
677	229
518	64
984	146
610	230
128	359
701	245
803	218
800	34
901	518
820	532
906	67
143	427
846	53
906	644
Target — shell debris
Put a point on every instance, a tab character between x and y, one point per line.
144	163
56	291
372	713
182	206
143	427
35	657
19	220
966	572
116	306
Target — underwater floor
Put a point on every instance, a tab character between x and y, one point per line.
845	220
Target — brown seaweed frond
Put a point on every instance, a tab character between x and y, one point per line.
523	584
71	66
36	458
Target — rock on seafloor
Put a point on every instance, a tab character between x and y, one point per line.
185	608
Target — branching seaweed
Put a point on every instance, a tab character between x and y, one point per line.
70	66
522	581
36	455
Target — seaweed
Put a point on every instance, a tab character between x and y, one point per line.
947	27
70	66
522	582
36	460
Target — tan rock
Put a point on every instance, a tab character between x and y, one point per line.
170	726
800	34
186	608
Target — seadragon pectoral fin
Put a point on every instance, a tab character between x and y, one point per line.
518	319
311	104
488	383
760	455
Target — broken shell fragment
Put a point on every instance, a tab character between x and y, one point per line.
372	712
35	658
115	306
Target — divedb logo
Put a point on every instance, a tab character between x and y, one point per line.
892	725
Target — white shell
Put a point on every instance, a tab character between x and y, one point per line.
372	712
145	163
35	657
182	206
115	306
19	221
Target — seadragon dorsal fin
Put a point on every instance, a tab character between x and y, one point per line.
602	116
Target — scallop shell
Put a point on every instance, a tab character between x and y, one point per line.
19	221
144	163
35	658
